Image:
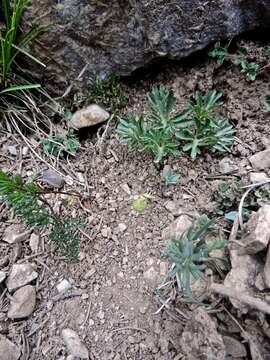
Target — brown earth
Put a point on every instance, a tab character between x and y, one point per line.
112	306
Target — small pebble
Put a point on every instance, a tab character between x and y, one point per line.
63	286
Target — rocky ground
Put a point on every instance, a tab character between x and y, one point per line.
105	306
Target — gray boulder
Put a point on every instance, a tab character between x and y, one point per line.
124	35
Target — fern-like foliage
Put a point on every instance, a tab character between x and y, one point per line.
159	133
156	132
64	234
248	67
27	203
59	145
219	52
189	253
22	198
132	130
205	129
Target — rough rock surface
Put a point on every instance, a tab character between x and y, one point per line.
22	303
226	166
20	275
234	348
266	270
125	35
8	351
74	344
256	177
200	339
243	275
15	233
2	276
261	160
34	243
257	231
177	228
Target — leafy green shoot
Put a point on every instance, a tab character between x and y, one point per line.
250	69
219	52
27	202
206	130
59	145
160	131
156	132
171	178
266	103
190	253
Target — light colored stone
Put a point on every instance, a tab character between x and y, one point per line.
12	149
226	166
74	344
175	207
4	260
259	282
25	150
257	177
266	270
16	233
92	115
34	243
106	232
52	178
242	275
200	339
89	273
2	276
8	351
234	348
63	286
257	231
20	275
125	188
151	274
122	227
177	228
261	160
23	303
163	268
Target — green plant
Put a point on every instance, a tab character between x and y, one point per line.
109	93
171	178
205	129
228	196
243	58
59	145
265	51
248	68
140	203
154	133
11	45
266	103
28	203
219	52
160	130
190	253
